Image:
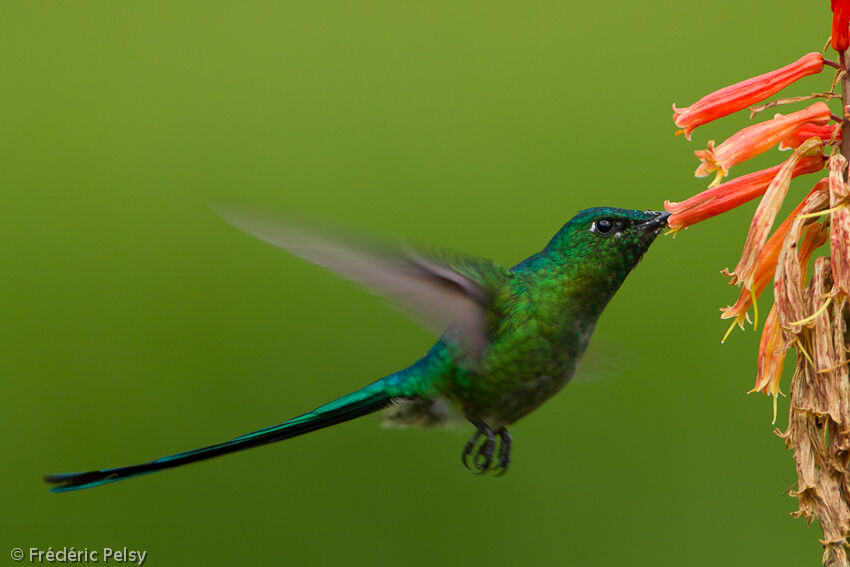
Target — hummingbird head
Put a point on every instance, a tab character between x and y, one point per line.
600	246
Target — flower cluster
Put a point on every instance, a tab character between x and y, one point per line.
811	310
808	133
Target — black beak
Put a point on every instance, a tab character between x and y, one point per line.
656	224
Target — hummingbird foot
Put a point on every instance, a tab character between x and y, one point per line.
482	454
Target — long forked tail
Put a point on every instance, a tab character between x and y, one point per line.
362	402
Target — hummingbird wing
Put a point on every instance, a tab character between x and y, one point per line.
437	288
604	360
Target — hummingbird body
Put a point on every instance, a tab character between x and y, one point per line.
515	336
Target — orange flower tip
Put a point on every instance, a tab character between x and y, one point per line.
758	388
707	152
685	129
709	165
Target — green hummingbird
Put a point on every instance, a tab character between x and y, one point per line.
514	337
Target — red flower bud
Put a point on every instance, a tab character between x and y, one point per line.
840	24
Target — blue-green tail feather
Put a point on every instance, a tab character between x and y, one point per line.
364	401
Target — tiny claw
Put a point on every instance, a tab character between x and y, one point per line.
467	449
482	458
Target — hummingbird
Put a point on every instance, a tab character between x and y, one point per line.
512	338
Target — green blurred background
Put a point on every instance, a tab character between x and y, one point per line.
136	323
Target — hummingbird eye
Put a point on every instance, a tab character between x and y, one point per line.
603	227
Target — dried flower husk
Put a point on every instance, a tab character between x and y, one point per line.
788	281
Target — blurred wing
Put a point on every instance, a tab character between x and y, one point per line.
605	359
437	289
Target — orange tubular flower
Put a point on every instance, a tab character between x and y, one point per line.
771	359
772	347
840	24
814	237
741	95
731	194
756	139
766	213
806	131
